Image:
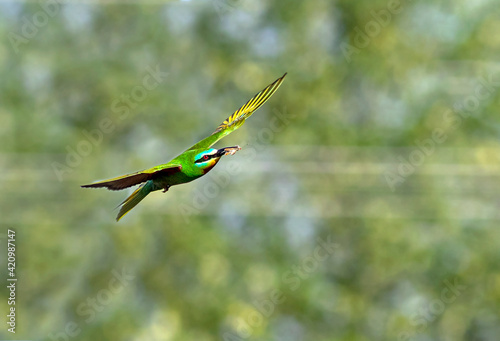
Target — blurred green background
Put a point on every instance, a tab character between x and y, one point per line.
363	206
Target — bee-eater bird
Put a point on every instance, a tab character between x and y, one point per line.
191	164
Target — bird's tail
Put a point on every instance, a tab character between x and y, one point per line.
134	198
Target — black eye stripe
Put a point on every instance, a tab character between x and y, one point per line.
202	159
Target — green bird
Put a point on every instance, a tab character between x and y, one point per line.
191	164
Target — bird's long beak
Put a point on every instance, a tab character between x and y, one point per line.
228	150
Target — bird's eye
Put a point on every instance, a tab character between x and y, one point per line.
205	157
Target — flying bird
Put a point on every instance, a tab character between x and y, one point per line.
191	164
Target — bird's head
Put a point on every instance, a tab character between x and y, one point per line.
207	159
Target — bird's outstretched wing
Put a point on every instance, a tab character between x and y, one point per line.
234	121
124	181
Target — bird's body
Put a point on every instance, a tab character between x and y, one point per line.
191	164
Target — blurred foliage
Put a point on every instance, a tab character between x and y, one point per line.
203	269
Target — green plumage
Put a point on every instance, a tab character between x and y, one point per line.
191	164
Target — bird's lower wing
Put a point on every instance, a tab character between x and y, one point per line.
133	179
234	121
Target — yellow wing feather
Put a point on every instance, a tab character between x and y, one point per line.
234	121
252	105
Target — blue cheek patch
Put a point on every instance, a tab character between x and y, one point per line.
206	164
